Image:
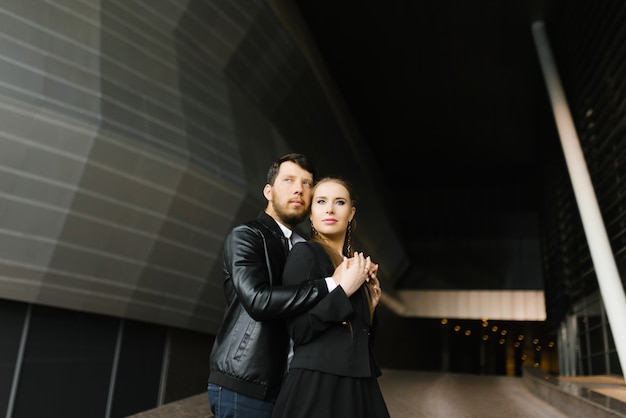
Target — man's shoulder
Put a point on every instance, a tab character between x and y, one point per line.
260	224
247	227
263	225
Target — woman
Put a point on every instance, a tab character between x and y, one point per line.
333	372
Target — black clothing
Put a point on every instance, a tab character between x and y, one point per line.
249	354
313	394
333	372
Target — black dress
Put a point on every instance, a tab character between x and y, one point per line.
333	372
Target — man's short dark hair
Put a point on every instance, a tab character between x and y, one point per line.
299	159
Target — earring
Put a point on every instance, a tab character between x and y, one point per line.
349	239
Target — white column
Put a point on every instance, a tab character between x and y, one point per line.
611	288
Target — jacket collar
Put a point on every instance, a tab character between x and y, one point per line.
270	223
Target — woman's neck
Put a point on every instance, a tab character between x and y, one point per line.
335	244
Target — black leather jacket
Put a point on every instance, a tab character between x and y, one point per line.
250	351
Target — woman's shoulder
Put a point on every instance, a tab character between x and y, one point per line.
309	256
308	250
308	246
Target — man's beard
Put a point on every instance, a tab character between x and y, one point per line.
288	218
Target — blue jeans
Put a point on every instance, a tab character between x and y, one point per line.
226	403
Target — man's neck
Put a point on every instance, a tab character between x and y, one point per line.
276	218
286	230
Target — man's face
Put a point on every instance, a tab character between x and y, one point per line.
289	199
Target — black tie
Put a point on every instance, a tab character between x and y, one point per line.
285	243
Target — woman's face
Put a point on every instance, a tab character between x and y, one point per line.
331	209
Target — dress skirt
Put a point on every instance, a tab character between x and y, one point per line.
314	394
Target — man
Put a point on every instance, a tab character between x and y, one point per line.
249	356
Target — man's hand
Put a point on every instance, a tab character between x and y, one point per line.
353	272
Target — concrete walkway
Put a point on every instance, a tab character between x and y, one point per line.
441	395
414	394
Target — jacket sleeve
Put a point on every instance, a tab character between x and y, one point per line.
331	311
250	259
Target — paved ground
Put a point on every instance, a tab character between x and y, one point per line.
194	407
411	394
439	395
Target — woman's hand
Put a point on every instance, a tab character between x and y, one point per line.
374	285
352	273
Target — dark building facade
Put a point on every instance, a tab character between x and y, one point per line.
588	45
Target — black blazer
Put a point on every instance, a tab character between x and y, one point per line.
334	336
